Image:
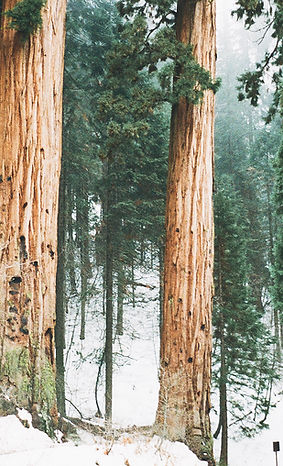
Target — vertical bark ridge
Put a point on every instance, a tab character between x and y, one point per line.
184	400
31	77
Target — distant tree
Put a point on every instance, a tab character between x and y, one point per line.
89	36
132	194
31	57
251	81
243	344
277	292
244	359
113	158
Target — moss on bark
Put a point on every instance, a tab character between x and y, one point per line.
22	386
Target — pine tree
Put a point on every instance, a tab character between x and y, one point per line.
89	36
128	195
112	157
243	346
242	341
252	81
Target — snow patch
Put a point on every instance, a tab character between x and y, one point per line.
15	437
30	447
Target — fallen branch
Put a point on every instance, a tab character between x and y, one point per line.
77	409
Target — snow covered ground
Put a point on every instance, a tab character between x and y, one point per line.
135	393
29	447
136	359
258	451
135	384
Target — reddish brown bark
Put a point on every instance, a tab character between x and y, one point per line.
30	149
184	399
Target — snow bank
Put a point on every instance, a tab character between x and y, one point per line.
258	451
30	447
14	436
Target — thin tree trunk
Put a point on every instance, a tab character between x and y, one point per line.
161	285
61	297
276	319
120	300
277	332
133	284
184	398
281	333
83	241
109	307
30	146
223	401
70	245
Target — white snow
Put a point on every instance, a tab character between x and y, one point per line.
258	451
25	416
136	360
135	395
30	447
15	437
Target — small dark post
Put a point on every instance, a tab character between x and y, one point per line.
276	449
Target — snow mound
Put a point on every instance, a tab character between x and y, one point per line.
15	437
30	447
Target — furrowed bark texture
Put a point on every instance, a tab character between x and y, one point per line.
30	149
184	399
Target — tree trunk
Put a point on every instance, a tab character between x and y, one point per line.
120	300
184	398
223	400
161	285
109	307
133	284
83	241
61	296
30	145
70	242
277	334
276	317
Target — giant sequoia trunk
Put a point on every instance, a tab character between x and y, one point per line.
184	398
30	149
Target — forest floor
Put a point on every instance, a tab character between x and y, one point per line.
135	381
30	447
135	396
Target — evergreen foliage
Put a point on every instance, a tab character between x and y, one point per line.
148	41
120	76
252	81
244	358
114	161
247	342
278	248
25	17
